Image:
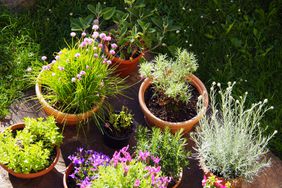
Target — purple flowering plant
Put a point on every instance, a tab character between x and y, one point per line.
214	182
93	169
79	76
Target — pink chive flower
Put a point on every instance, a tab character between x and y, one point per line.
112	52
83	34
78	76
44	58
95	27
137	183
95	34
77	55
108	38
114	45
82	73
102	36
61	68
100	45
96	55
57	57
60	52
83	44
72	34
109	62
73	79
53	61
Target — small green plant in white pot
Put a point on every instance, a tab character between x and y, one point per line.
229	141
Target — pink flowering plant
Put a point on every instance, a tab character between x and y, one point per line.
79	76
127	171
214	182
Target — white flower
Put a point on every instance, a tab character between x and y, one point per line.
72	34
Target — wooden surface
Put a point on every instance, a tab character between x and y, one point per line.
91	138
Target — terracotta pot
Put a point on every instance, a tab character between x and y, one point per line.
66	175
235	183
123	67
173	126
36	174
178	183
61	117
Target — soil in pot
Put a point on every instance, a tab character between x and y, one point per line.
168	109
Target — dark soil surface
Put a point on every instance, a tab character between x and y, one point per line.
171	110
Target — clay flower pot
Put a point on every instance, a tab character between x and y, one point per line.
123	67
61	117
66	175
178	183
173	126
36	174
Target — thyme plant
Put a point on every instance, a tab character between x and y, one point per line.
230	142
169	76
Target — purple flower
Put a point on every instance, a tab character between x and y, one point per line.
95	34
44	58
78	76
95	27
46	67
72	34
82	73
109	62
137	183
156	160
83	44
96	55
61	68
100	45
114	45
83	34
102	36
77	55
108	38
143	155
73	79
112	52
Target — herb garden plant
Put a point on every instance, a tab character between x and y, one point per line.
92	169
26	150
78	80
230	141
170	148
169	94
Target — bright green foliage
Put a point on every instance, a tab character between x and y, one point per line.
230	141
121	121
79	79
29	150
170	148
169	76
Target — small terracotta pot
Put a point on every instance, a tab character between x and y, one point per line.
61	117
123	67
36	174
66	174
235	183
173	126
178	183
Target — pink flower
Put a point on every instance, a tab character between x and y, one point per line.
77	55
95	34
112	52
53	61
156	160
137	183
73	79
95	27
57	57
78	76
72	34
61	68
100	45
82	73
94	48
108	38
83	34
44	58
96	55
114	45
102	36
46	67
204	181
109	62
144	155
83	44
87	67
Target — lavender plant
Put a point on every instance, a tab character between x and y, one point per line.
230	141
169	76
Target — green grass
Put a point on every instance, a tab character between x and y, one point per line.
238	42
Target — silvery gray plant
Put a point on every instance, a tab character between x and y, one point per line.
230	141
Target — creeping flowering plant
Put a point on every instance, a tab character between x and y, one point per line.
92	169
214	182
79	76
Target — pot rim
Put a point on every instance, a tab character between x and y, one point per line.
197	85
